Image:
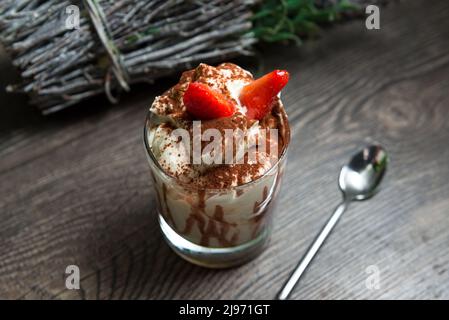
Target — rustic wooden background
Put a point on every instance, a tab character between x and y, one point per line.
75	187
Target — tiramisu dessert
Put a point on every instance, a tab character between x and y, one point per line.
216	144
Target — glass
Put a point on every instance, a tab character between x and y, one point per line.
216	228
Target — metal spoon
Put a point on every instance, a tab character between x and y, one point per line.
358	180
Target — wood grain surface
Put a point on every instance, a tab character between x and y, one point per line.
75	187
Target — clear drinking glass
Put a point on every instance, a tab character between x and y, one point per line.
215	228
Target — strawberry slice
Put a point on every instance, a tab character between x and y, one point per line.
205	103
258	96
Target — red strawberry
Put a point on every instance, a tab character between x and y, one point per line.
204	103
257	96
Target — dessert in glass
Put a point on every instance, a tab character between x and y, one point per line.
216	143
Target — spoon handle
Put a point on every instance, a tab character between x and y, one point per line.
313	249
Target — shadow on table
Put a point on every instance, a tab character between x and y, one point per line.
137	264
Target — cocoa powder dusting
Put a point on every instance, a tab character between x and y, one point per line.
170	104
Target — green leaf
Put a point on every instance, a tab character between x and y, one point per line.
288	20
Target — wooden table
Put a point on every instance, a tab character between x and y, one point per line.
75	187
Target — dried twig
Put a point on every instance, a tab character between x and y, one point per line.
121	42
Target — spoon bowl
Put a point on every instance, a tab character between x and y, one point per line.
360	178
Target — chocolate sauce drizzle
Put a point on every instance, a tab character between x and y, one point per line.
216	227
169	215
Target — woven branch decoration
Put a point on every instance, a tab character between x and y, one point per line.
126	41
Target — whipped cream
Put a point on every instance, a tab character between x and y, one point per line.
174	155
